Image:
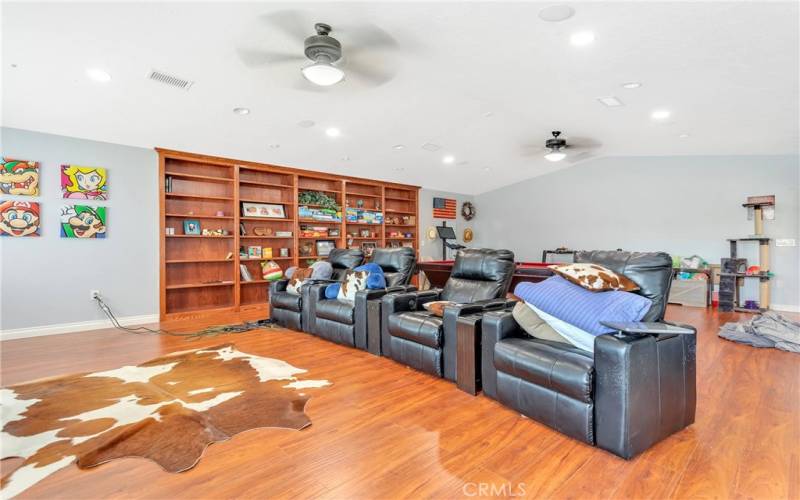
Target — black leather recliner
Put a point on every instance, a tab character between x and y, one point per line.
633	391
345	322
409	334
290	310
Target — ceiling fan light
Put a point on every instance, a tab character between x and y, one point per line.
555	156
323	73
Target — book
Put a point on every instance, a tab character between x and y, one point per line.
245	273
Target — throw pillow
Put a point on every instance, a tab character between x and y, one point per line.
436	307
271	271
354	281
332	291
375	280
532	324
321	270
298	277
580	307
594	277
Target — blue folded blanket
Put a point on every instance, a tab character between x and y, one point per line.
580	307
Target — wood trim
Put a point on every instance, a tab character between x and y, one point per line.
162	241
230	162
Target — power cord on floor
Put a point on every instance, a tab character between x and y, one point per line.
207	332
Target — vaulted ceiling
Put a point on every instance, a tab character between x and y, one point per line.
486	82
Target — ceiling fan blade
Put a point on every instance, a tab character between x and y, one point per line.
256	58
295	24
365	37
373	74
583	143
582	156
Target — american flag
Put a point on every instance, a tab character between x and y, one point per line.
444	208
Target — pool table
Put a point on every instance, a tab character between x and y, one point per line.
438	271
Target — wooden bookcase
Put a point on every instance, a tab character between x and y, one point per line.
201	274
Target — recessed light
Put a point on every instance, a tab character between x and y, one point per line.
333	132
684	136
305	123
631	85
610	101
448	159
556	13
581	38
660	114
241	111
398	147
98	75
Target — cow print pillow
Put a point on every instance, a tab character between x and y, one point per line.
595	278
353	282
298	278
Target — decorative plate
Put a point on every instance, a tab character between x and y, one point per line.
431	233
467	235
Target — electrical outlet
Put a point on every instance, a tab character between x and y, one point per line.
94	294
785	242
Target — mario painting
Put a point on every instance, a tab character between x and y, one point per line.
19	177
19	218
82	221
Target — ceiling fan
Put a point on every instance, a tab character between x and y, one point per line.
327	62
557	148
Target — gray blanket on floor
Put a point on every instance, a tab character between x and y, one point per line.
769	329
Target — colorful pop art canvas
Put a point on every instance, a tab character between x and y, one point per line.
83	221
84	183
19	218
19	177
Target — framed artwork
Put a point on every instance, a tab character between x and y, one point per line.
306	249
324	247
83	221
191	226
19	177
19	218
263	210
364	233
254	252
84	183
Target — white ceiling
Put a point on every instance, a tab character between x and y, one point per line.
727	71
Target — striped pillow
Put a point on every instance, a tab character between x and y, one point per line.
580	307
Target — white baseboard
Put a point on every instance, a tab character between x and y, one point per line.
785	307
40	331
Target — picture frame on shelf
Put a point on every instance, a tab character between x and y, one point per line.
254	252
364	233
368	247
306	249
324	247
334	232
191	227
263	210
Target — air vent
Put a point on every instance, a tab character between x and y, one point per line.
171	80
429	146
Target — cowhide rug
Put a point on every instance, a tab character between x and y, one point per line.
168	410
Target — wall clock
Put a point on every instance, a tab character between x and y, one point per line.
431	233
468	210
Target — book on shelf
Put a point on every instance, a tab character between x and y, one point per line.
245	273
168	184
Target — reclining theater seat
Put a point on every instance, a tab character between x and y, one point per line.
345	322
292	311
480	278
633	391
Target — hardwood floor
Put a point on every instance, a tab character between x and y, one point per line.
383	430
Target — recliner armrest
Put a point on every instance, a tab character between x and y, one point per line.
360	312
644	389
496	326
401	302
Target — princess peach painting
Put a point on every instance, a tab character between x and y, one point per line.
84	183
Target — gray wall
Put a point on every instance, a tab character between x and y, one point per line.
432	249
47	280
681	205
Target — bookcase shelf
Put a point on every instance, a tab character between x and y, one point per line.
202	274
